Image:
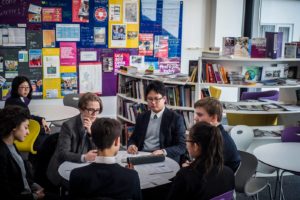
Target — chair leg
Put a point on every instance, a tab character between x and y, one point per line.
270	191
281	183
276	183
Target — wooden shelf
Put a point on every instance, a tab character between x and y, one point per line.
245	59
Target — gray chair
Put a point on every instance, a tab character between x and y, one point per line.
245	182
68	100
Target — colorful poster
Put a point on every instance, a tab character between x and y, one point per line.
68	53
68	32
100	14
90	77
52	15
138	62
169	65
121	59
68	83
35	58
34	18
80	11
51	66
161	46
99	35
11	67
118	35
48	38
146	44
131	12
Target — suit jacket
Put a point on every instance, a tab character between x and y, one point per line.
19	102
171	134
189	183
11	182
69	147
231	156
104	180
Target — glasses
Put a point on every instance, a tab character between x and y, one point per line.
156	100
24	88
92	111
190	141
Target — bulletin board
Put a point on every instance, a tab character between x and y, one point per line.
75	46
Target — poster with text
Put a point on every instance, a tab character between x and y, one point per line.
48	38
68	32
52	14
51	66
114	12
118	34
80	11
121	59
131	12
99	35
90	77
169	65
145	44
68	53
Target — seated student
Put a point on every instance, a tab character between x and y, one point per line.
206	176
74	142
210	110
104	177
159	130
20	95
14	181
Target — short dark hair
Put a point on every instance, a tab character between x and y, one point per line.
85	98
212	106
17	81
156	86
11	117
105	131
209	138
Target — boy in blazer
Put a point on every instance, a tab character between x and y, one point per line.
159	130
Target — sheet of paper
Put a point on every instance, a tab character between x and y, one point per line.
90	77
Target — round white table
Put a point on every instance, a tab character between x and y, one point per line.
151	175
284	156
280	155
53	112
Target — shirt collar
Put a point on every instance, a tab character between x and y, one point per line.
159	114
106	160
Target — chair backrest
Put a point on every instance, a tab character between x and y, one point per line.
289	134
242	136
71	100
226	196
27	144
245	171
270	94
215	92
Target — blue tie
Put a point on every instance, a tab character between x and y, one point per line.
155	117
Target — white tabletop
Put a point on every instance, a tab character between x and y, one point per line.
283	155
150	175
53	112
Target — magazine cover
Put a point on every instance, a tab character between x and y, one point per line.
68	83
252	73
228	46
37	88
35	58
241	47
258	47
121	59
273	72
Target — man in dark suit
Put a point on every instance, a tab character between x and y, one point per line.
159	130
210	110
105	177
74	141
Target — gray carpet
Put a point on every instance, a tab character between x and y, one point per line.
291	189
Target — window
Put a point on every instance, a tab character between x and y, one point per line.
287	30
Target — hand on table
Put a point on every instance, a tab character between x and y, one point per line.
90	156
132	149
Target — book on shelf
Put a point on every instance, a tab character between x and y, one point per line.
210	54
258	47
252	73
274	44
228	46
290	50
193	70
292	72
298	96
241	47
274	72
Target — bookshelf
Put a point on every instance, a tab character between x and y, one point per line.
181	96
287	92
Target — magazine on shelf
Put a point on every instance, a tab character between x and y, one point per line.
273	72
252	73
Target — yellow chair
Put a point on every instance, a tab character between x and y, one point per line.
27	144
215	92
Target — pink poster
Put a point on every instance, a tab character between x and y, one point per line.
68	55
121	59
161	46
80	11
169	65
